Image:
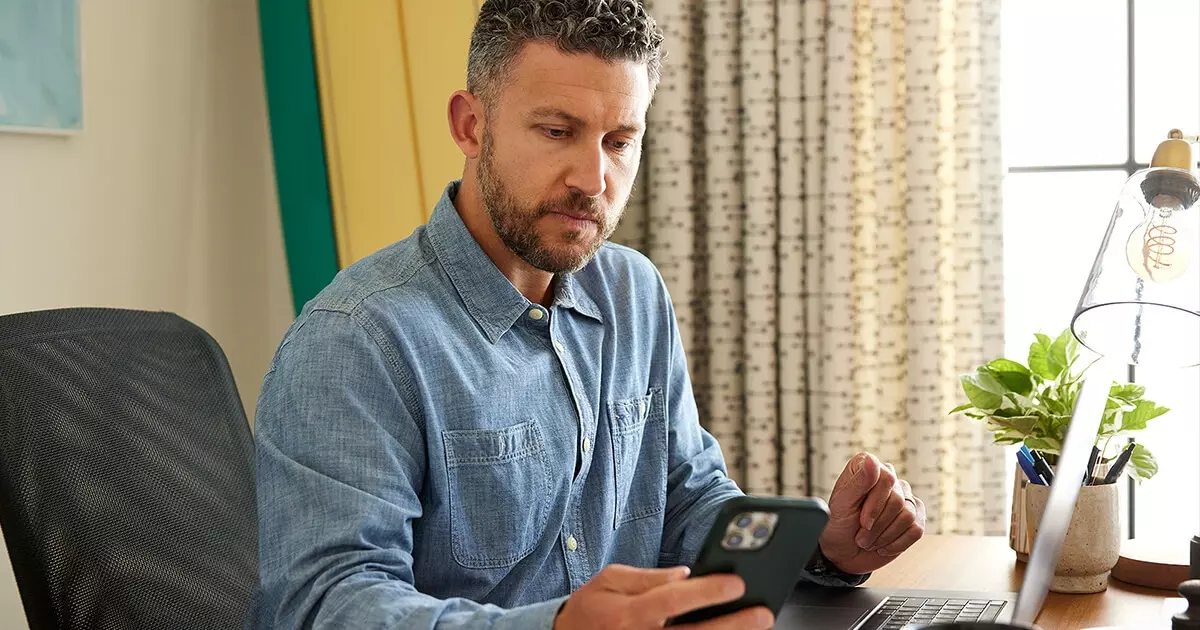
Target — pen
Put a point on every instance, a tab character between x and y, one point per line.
1087	476
1043	468
1119	464
1026	463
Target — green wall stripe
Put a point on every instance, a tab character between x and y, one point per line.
294	107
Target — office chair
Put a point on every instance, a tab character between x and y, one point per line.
126	473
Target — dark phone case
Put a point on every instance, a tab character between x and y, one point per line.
771	572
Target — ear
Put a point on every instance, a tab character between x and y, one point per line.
465	114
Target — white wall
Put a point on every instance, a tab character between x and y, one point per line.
166	200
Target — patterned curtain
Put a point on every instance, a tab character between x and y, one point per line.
821	191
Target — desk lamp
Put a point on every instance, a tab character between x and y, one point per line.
1141	303
1141	306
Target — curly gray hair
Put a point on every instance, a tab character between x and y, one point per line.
613	30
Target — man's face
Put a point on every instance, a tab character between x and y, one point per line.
560	149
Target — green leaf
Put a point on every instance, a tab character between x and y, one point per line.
1128	392
988	381
1006	438
1014	376
1055	406
961	408
1141	463
978	393
1108	424
1006	365
1039	357
1022	424
1059	424
1143	412
1057	359
1045	445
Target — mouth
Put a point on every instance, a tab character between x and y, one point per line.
577	221
578	216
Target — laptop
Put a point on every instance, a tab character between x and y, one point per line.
822	608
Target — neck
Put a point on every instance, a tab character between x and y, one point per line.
536	285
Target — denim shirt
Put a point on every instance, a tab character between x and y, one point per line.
436	451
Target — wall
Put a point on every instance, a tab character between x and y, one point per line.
166	200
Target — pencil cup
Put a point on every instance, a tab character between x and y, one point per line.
1093	541
1020	536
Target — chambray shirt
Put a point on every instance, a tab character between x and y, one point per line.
421	426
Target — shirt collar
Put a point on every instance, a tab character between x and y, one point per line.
493	302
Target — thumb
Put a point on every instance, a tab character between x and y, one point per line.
635	581
860	475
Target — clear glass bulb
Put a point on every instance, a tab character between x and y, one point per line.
1157	249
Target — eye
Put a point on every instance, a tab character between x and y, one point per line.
620	146
554	132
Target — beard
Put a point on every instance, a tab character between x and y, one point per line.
516	222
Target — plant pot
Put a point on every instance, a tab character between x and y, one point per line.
1093	542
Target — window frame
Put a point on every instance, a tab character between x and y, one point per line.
1130	166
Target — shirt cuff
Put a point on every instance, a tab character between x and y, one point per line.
820	570
538	616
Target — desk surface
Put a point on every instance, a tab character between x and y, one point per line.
985	563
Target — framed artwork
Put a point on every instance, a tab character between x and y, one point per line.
40	85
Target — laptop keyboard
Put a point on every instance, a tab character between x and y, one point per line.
897	612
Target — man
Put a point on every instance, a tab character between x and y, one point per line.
490	423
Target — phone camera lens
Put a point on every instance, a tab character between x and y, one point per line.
744	521
762	531
735	540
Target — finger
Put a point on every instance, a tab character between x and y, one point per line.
675	598
894	506
906	540
877	499
906	518
758	617
629	580
857	479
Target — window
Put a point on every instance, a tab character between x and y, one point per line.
1090	89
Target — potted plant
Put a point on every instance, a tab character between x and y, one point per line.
1030	404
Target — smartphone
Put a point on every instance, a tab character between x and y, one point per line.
766	541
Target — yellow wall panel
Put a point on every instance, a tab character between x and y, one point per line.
386	71
369	141
436	38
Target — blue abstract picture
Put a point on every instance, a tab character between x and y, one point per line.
40	86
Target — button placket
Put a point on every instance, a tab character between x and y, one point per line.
583	431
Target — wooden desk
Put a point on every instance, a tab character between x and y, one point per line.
985	563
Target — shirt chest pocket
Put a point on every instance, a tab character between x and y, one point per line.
499	486
639	438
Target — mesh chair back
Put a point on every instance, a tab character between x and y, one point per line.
126	472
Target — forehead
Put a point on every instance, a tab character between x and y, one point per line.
610	93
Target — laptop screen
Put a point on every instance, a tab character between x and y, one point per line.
1060	506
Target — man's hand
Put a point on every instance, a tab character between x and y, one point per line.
626	598
873	517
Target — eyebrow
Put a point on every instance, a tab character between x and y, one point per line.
551	112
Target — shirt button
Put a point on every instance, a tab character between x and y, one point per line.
571	544
586	445
559	346
642	408
536	313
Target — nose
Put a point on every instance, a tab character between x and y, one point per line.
587	172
